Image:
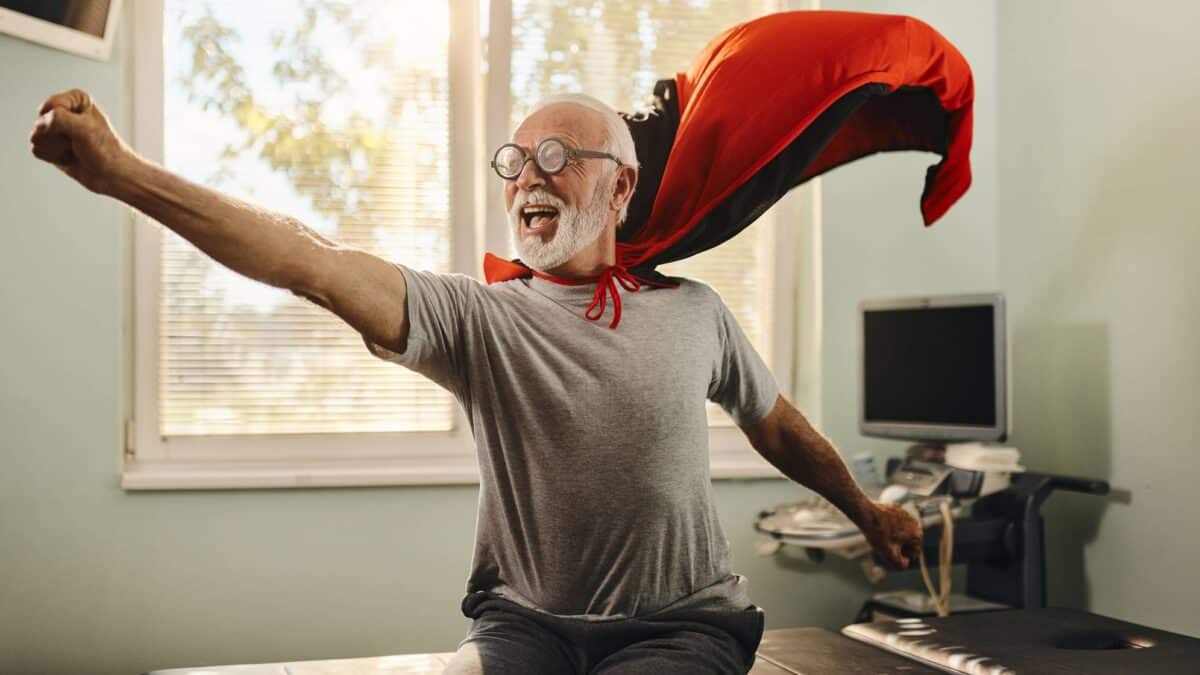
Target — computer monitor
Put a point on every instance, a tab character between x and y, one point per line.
934	369
84	27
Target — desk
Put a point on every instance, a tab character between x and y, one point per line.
1057	641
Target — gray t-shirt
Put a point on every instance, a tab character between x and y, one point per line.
595	498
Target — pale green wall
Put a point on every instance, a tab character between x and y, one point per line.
96	580
1098	231
875	243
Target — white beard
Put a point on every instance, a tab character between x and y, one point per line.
577	228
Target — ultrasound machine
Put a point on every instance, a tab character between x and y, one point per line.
934	371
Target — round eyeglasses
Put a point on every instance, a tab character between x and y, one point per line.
551	156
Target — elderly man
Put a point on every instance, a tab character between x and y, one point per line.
598	548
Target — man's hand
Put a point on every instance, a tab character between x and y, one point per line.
73	134
894	534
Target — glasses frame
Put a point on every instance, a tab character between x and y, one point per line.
569	154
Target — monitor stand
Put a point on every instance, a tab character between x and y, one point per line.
927	452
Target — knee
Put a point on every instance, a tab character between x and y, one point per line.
466	661
510	646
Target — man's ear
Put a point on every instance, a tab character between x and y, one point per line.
623	186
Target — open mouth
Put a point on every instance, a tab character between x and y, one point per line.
538	216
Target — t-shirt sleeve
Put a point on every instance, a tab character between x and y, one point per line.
741	383
438	307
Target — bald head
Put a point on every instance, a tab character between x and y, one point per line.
586	127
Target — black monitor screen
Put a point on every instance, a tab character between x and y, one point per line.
933	365
88	16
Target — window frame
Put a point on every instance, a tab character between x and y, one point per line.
151	462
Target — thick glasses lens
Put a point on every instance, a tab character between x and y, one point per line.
551	155
509	160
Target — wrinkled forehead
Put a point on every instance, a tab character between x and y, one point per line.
580	127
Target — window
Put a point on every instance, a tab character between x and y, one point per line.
330	115
341	114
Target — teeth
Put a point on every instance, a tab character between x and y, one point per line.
537	211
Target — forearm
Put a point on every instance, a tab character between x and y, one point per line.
807	457
262	245
793	446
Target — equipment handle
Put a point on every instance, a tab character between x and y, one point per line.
1087	485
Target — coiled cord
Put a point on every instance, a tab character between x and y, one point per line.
941	597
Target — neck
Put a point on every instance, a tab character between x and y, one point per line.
591	260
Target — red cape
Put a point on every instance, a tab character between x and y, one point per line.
776	101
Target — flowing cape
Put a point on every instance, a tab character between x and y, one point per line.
776	101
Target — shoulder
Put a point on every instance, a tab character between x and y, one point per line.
437	278
698	293
443	293
696	288
479	295
440	282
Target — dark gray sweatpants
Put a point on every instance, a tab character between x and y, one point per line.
509	639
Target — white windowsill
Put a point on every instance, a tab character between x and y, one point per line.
232	475
224	475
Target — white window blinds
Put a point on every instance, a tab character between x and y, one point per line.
335	113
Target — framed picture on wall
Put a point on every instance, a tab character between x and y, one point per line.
83	27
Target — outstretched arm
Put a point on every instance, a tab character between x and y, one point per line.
73	134
786	439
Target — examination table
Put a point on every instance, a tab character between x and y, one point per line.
1006	642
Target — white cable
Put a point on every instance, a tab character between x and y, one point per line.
941	597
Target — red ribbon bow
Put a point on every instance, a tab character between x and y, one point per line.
609	282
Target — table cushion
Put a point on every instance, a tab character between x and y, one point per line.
1023	641
787	651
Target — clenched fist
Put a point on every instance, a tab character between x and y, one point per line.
73	134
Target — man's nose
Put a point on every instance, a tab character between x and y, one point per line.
530	177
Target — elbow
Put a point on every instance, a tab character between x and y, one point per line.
768	440
770	431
